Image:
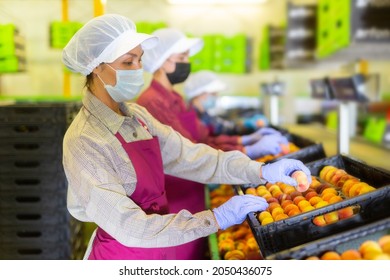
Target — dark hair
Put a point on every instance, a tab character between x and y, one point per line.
88	80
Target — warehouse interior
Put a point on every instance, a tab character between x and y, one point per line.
252	46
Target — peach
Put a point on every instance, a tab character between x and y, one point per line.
382	256
343	179
225	235
295	194
322	187
384	242
293	212
310	195
335	199
303	203
329	174
251	190
314	182
325	170
355	189
297	199
369	249
302	182
319	221
262	192
267	195
272	206
308	208
366	189
313	258
327	196
267	221
234	255
331	217
285	203
337	175
273	188
331	255
290	207
263	215
314	200
321	204
276	193
348	184
283	197
276	211
281	216
351	254
345	213
330	190
272	200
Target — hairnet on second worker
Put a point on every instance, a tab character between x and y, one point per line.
102	40
172	41
202	82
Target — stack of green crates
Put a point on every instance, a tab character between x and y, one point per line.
334	27
12	49
61	32
222	54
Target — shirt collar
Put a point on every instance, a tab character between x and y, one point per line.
101	111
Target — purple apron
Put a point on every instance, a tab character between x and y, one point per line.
189	195
149	194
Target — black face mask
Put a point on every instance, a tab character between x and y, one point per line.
181	73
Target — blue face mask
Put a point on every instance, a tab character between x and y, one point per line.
128	84
209	102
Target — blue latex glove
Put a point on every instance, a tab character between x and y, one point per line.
267	145
281	170
267	131
256	136
234	211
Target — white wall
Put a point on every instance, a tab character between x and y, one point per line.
44	75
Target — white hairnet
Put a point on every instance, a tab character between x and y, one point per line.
202	82
103	39
172	41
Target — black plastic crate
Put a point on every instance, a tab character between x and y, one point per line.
31	164
51	112
37	182
34	129
350	239
30	146
34	217
31	199
300	229
36	252
20	235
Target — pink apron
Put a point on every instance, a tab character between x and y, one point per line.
149	194
189	195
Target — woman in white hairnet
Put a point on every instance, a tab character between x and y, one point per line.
115	155
201	90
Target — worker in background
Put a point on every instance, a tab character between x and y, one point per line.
201	90
169	64
115	155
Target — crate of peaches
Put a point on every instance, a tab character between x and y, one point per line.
299	148
236	242
368	242
345	193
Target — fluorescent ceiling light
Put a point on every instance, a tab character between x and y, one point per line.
205	2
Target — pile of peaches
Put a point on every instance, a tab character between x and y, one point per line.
368	250
236	242
331	186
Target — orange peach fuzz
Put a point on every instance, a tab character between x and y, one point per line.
327	196
276	211
321	204
297	199
302	182
281	216
267	221
263	215
272	206
303	203
335	199
345	213
330	190
293	212
384	242
310	194
369	247
314	200
319	221
331	217
290	207
331	255
351	254
285	203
